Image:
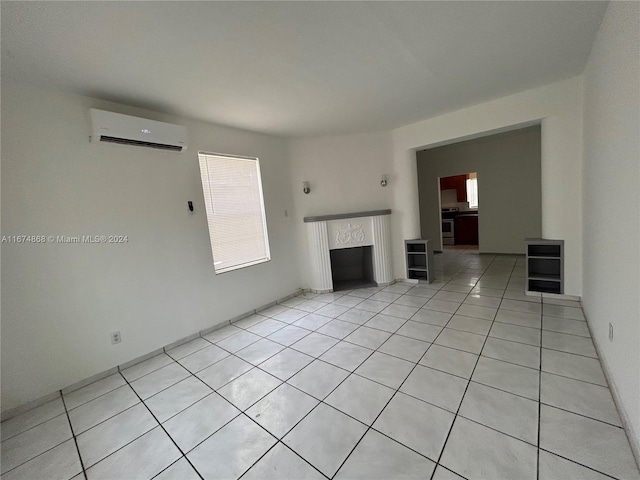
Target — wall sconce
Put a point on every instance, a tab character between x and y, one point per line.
305	187
383	181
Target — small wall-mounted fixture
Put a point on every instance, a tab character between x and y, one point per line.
190	205
383	181
305	187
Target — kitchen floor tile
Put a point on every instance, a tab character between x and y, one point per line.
416	424
383	296
220	334
248	322
331	310
520	306
325	438
273	310
400	311
482	300
411	301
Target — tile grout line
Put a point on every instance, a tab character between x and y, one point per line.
160	425
75	440
469	382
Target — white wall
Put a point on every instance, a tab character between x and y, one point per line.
344	175
559	108
611	203
60	302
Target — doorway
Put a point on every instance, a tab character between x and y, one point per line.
459	209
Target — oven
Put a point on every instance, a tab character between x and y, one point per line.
448	232
448	214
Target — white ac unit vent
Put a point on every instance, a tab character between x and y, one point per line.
127	130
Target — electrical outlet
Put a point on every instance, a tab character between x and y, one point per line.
116	338
610	333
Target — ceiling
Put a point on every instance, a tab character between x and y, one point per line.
298	68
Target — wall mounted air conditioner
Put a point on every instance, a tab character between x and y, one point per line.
127	130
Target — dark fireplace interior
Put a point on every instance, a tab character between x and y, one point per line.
352	268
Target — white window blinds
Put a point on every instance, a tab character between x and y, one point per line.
235	210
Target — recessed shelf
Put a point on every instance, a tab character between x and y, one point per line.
545	265
419	257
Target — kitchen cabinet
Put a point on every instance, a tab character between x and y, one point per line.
457	183
466	229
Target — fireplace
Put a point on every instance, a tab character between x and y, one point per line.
366	236
352	268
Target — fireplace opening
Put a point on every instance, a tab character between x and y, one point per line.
352	268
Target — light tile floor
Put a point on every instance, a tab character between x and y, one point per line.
463	378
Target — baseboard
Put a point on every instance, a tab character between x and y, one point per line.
7	414
634	442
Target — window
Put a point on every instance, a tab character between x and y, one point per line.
235	211
472	190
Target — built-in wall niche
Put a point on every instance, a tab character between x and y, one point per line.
352	268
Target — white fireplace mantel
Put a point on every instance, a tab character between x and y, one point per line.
347	230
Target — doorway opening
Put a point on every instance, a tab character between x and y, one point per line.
459	209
